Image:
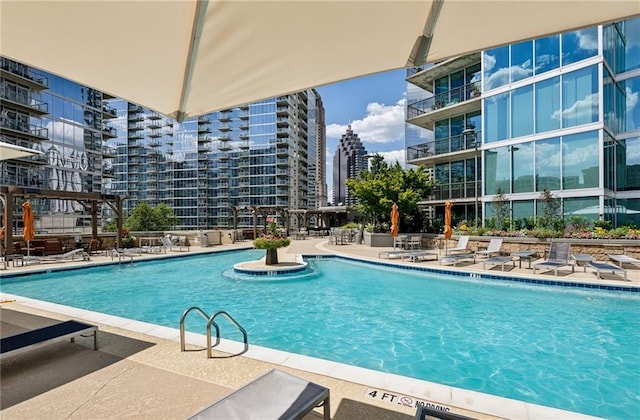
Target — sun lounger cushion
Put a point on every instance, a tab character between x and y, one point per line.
52	333
275	395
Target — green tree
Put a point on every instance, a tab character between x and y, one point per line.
146	218
501	209
382	185
551	217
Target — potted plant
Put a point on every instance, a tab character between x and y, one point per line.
271	242
127	238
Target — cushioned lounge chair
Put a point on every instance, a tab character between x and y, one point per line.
494	248
53	333
275	395
606	267
558	257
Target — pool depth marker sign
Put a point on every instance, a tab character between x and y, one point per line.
403	400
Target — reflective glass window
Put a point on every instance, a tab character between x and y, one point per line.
580	97
522	209
521	60
579	45
496	171
587	207
547	54
632	46
547	161
522	111
628	212
629	97
496	67
496	118
522	167
547	105
628	164
580	157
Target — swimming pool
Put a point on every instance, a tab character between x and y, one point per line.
566	348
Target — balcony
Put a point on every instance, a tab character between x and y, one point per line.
20	127
458	101
109	132
24	101
435	151
23	74
204	120
109	112
425	78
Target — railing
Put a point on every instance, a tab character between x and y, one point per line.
211	322
441	146
444	99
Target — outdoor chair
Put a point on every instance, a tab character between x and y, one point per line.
606	267
559	254
623	259
494	248
414	242
461	246
499	260
275	395
73	255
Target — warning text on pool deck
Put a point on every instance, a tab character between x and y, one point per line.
403	400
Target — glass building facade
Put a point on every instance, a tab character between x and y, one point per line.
268	153
558	113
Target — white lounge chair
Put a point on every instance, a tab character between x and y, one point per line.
73	255
558	257
168	244
461	246
499	260
494	248
623	259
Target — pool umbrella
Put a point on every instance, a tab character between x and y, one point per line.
447	223
220	54
27	218
395	220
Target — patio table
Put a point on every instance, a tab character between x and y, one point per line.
527	254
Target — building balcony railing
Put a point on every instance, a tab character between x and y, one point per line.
25	128
109	132
24	71
24	99
444	99
455	190
109	111
433	148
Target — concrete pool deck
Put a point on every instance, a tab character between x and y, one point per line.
139	371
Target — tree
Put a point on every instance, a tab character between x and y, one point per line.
146	218
552	218
382	185
501	209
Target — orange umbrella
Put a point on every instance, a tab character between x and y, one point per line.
447	219
395	220
29	232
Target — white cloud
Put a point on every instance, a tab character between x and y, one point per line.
581	109
382	124
587	39
394	155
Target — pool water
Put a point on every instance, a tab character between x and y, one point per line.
572	349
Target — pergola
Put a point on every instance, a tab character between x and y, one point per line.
89	201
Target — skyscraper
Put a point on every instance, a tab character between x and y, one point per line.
348	160
268	153
558	113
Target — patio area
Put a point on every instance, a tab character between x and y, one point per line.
139	371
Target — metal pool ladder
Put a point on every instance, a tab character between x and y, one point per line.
210	322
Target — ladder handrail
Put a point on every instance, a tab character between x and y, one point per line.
210	322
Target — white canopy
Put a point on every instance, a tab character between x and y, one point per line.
10	151
185	57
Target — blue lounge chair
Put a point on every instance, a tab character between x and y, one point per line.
603	266
46	335
559	254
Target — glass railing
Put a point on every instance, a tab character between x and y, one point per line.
444	99
24	99
23	71
441	146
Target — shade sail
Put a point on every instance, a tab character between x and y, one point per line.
11	151
187	58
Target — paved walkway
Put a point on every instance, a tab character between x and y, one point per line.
139	372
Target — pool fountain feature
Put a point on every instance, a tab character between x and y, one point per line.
259	268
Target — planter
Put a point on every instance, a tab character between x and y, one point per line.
378	240
272	257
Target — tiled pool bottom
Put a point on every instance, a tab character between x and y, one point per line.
353	381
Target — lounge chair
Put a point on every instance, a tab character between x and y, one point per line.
275	395
603	266
499	260
558	257
423	413
415	256
167	244
454	258
623	259
392	254
494	248
45	335
461	246
73	255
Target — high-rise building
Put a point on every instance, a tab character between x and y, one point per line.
348	161
267	154
66	121
558	113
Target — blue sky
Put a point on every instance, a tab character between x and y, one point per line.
374	106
